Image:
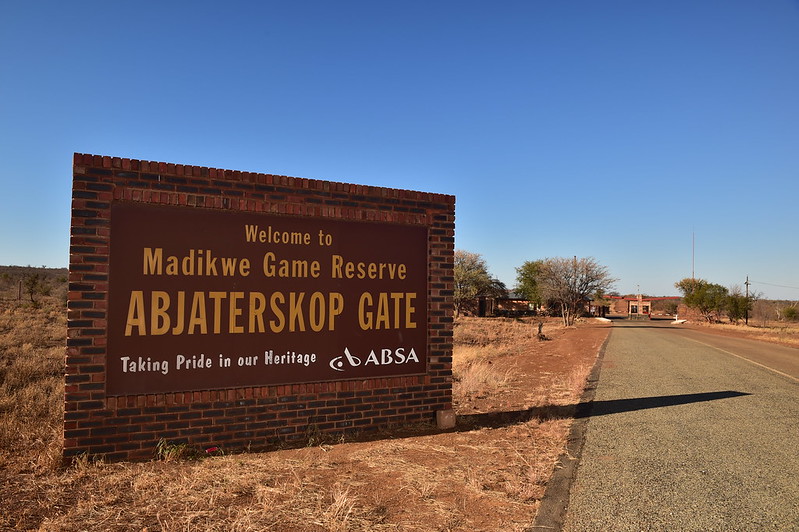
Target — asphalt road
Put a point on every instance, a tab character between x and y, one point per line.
686	434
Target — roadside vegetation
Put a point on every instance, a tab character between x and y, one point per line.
514	395
488	474
32	340
561	285
715	302
728	310
31	284
472	279
784	333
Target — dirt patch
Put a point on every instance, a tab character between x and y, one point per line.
514	395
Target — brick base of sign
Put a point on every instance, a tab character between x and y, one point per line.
124	427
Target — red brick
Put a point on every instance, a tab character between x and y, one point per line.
440	215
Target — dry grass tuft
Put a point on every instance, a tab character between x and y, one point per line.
479	378
567	389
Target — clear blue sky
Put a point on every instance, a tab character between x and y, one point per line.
611	129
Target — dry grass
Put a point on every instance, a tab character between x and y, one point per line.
500	334
312	489
31	384
479	378
480	477
564	389
778	333
479	343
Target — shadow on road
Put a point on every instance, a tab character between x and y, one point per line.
586	410
615	406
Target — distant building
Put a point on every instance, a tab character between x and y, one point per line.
593	308
636	307
513	305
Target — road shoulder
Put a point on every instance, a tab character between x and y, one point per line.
552	511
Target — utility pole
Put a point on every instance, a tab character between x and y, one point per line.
746	308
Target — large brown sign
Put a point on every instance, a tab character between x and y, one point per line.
205	299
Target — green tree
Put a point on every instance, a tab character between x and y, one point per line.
527	281
790	313
472	279
738	305
710	299
569	283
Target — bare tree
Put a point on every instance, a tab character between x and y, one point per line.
569	283
36	285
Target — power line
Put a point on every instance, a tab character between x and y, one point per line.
777	285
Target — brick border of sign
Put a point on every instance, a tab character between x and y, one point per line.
130	427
